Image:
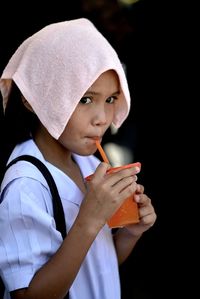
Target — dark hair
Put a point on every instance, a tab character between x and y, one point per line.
17	125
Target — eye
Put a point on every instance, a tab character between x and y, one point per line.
111	100
85	100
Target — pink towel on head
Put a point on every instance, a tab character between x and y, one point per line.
54	68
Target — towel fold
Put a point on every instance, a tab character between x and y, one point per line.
54	68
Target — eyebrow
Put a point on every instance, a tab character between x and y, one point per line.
98	93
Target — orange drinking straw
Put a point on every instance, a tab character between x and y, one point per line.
103	154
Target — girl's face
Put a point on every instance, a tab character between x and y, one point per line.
92	116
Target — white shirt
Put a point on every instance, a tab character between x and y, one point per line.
28	237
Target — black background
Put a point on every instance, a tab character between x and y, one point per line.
150	39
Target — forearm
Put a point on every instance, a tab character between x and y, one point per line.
54	279
124	243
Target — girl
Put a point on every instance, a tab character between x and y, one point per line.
65	86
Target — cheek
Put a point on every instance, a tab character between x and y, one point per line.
74	128
110	113
70	132
69	138
77	119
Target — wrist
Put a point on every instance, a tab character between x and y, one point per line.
89	225
129	233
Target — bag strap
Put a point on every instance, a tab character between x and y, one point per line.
57	204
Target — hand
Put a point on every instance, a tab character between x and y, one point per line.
147	213
106	193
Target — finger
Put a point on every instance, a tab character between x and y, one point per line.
142	199
115	177
126	187
136	169
145	210
148	219
101	170
102	166
140	189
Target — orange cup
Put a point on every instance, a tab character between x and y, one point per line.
128	211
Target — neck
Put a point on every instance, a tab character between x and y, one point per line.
55	153
52	150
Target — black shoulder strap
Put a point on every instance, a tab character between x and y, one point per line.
57	204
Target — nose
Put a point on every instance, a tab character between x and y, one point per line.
100	117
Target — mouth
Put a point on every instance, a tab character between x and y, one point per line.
94	138
97	138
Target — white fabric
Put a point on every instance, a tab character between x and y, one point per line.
27	229
55	67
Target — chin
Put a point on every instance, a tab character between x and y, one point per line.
85	152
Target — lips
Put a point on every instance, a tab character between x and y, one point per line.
96	138
93	139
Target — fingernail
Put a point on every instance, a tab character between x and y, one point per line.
137	198
137	169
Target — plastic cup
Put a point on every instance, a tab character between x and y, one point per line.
128	211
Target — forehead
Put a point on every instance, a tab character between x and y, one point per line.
107	80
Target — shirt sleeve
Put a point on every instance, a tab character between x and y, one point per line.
28	237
